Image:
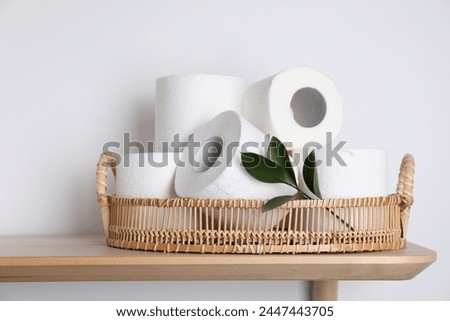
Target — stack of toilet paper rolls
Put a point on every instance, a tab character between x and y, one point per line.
301	106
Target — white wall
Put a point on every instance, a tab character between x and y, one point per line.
76	74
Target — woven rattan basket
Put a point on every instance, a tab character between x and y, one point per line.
239	226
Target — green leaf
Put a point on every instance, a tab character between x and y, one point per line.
278	153
309	167
278	201
310	174
316	189
266	170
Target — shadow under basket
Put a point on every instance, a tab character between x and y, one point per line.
240	226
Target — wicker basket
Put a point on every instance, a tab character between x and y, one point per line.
239	226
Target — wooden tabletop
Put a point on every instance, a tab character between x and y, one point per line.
87	258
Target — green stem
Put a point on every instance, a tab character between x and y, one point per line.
341	219
329	210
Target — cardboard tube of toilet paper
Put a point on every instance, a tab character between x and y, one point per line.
185	102
214	170
146	175
299	106
356	173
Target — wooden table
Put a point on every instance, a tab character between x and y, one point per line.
87	258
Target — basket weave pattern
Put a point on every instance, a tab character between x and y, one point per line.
239	226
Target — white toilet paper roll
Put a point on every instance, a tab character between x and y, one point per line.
299	106
219	173
363	175
151	175
146	175
185	102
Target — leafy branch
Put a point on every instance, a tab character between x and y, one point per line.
277	168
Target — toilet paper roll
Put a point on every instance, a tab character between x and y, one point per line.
151	175
185	102
299	106
219	174
364	173
146	175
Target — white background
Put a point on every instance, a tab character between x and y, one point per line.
76	74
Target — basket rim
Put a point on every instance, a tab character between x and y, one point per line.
391	199
403	198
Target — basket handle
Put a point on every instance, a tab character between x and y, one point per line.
405	190
105	160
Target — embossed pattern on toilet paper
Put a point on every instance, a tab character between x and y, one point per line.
298	106
229	179
148	175
364	174
185	102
